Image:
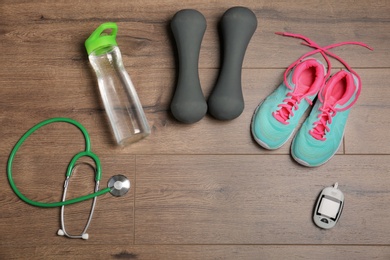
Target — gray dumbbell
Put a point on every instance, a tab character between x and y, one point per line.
237	25
188	104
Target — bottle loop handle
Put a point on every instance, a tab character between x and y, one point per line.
99	39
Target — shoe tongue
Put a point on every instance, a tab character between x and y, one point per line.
332	101
340	90
302	89
308	77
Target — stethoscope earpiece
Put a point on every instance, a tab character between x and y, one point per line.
60	232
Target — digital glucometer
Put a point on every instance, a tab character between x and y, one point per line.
328	209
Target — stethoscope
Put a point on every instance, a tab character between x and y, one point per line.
118	185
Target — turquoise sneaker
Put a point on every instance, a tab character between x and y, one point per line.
275	119
321	134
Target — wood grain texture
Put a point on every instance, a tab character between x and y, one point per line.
63	26
40	177
155	89
195	252
366	129
201	191
256	200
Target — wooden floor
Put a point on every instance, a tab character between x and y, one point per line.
200	191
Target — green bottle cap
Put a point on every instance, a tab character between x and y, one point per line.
99	39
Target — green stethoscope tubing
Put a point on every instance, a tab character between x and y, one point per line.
86	153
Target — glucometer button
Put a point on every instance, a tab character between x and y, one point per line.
324	220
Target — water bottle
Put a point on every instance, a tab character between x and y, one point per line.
120	99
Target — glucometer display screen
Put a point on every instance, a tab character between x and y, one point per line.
329	207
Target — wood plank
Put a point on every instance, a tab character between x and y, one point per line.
202	191
367	131
189	252
40	176
257	200
57	31
139	10
80	100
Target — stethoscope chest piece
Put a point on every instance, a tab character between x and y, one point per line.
119	185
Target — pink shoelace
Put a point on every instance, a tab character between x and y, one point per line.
321	126
328	111
289	104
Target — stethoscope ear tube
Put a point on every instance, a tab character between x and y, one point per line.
62	231
71	165
120	184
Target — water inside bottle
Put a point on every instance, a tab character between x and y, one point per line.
120	99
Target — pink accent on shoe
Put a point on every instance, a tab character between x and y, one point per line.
338	91
308	79
286	109
340	87
324	52
321	126
328	110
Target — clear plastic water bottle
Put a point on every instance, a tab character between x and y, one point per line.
121	102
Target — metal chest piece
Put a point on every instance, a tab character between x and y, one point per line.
119	185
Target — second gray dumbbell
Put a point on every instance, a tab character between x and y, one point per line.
237	25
